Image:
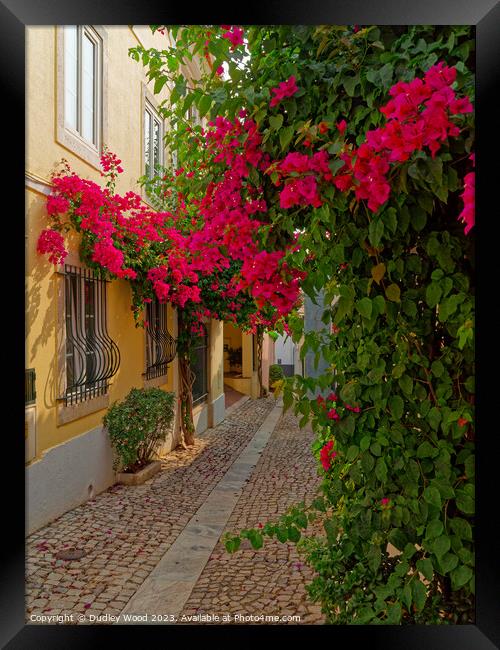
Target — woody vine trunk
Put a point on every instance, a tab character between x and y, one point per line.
186	377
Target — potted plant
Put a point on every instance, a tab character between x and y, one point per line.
136	426
275	374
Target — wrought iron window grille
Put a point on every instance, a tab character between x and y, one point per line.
92	357
199	367
161	347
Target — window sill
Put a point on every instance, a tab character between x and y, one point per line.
155	382
80	147
69	413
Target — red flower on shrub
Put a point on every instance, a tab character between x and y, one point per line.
327	454
333	415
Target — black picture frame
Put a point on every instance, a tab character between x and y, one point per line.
485	15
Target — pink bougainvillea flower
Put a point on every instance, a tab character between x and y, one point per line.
286	88
385	501
341	126
220	70
333	415
327	454
234	36
468	196
52	242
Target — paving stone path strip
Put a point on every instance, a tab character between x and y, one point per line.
154	547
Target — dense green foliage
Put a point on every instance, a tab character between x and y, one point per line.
137	424
275	373
401	285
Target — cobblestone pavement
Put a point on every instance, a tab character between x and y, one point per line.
271	580
126	530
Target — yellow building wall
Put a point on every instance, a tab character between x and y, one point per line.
124	114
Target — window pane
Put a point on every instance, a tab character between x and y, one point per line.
156	144
70	75
147	143
88	86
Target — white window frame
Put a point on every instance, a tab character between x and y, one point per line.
67	135
154	116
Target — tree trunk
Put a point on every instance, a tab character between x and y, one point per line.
187	378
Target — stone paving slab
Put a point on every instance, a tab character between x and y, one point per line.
169	585
126	530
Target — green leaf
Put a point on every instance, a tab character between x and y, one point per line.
419	594
331	530
437	368
433	294
418	216
396	405
367	462
462	528
365	443
426	450
293	534
432	496
448	562
460	576
256	540
159	83
374	558
352	452
301	520
319	504
465	503
276	121
441	545
434	417
286	134
386	73
204	104
364	306
425	567
434	529
407	596
282	534
232	545
393	293
375	231
406	384
394	614
381	470
350	84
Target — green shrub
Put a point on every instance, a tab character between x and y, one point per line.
137	424
275	373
